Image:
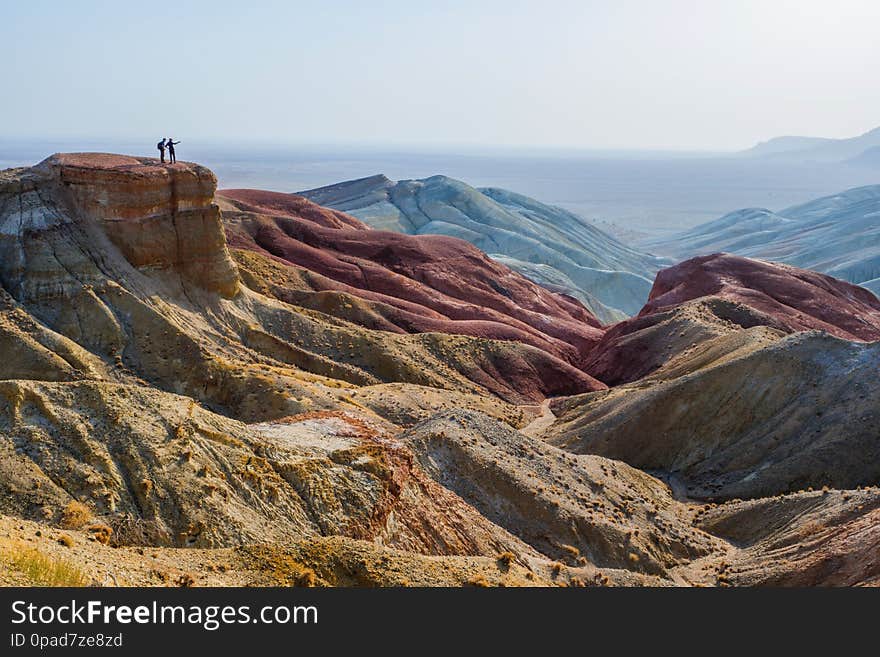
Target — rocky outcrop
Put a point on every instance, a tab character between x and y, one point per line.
162	218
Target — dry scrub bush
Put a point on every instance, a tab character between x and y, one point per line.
75	515
809	529
571	550
43	570
101	532
478	581
307	578
506	559
185	580
130	530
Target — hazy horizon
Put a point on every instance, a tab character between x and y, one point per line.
578	76
600	107
646	194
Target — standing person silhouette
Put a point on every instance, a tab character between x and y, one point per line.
169	144
161	147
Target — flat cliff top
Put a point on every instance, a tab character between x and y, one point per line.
101	161
103	164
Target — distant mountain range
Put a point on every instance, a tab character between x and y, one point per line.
818	148
838	235
547	244
869	158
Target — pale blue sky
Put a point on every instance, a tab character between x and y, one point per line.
675	74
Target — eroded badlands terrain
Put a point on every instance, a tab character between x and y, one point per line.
247	388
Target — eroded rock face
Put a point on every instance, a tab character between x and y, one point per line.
820	538
161	217
679	339
568	507
117	268
802	411
191	478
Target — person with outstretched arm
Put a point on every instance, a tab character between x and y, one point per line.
161	147
170	146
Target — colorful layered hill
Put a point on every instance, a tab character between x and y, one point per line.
739	378
707	301
549	245
403	283
794	299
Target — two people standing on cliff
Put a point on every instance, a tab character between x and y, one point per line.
169	144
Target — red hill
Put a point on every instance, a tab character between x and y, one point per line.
424	283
